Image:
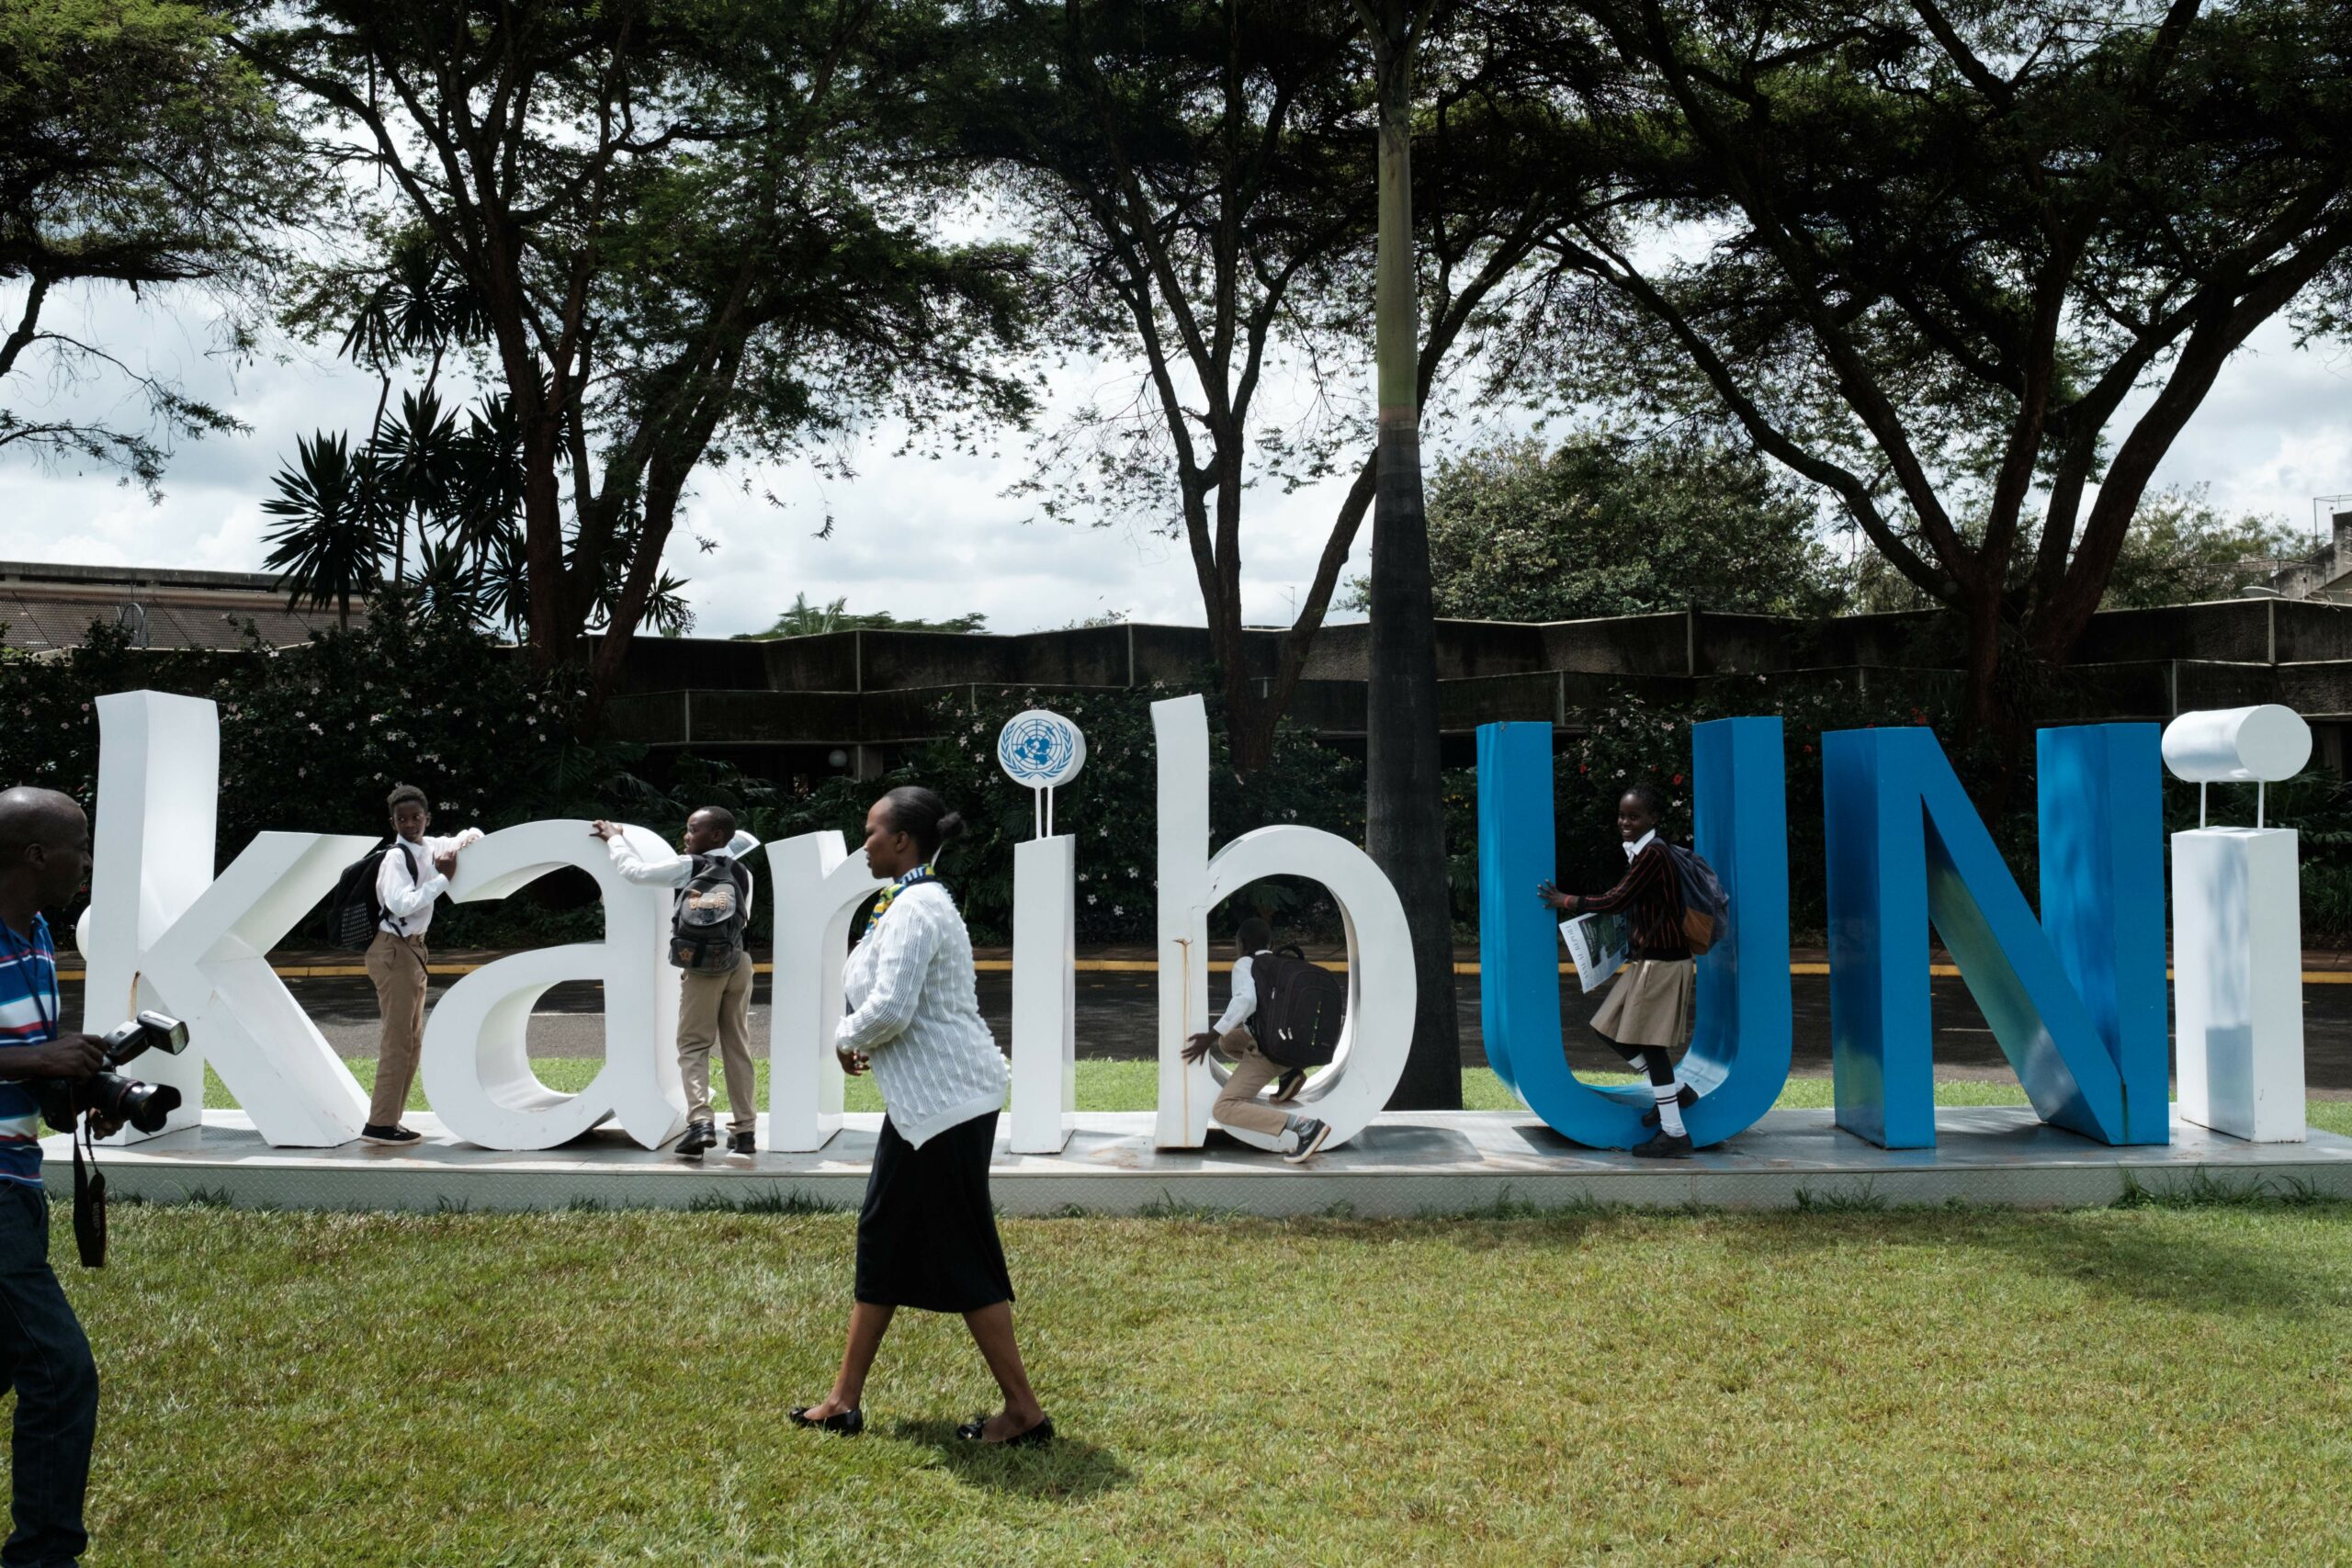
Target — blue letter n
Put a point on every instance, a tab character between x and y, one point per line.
2077	1000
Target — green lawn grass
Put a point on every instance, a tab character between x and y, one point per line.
2135	1384
2157	1381
1135	1086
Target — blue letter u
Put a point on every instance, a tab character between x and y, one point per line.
1739	1050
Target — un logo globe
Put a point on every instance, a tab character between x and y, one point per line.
1040	750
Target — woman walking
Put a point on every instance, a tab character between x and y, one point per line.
926	1237
1647	1013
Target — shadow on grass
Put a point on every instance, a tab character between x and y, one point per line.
1067	1468
2128	1251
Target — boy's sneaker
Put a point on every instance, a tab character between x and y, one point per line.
1666	1145
1312	1135
742	1144
700	1136
391	1137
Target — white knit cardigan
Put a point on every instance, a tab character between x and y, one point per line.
915	1013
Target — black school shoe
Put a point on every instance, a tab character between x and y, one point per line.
1666	1145
1686	1100
976	1431
700	1136
391	1137
742	1144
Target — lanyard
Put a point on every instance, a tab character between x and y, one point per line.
890	893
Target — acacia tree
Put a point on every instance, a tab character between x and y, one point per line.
689	230
1197	176
1946	244
135	151
1188	171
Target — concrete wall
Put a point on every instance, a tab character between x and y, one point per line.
878	689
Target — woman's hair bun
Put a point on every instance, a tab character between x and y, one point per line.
951	827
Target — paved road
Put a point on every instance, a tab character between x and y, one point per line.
1117	1019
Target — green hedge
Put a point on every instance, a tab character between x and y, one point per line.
314	736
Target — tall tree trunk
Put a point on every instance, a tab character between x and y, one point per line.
1405	826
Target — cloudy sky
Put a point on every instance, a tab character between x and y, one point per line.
916	536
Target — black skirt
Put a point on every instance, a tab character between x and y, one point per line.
926	1237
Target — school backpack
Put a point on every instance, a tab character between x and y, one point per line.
1706	908
712	909
353	909
1300	1008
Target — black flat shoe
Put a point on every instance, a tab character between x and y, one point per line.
976	1431
1664	1146
848	1423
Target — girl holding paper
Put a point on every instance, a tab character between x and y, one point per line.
1648	1012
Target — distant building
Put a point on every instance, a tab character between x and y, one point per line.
859	702
2325	574
45	607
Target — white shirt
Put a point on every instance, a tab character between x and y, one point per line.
678	870
1245	999
407	896
914	1011
1638	845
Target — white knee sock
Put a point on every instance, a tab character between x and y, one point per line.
1669	1109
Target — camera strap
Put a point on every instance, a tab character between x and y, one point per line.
89	1201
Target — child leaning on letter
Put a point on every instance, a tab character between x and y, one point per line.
707	927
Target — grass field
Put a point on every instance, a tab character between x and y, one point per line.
1958	1385
2153	1382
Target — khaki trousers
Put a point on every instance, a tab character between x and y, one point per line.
1239	1106
396	965
715	1007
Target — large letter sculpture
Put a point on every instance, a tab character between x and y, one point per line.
818	886
476	1066
2076	999
162	933
2238	932
1044	994
1350	1093
1740	1049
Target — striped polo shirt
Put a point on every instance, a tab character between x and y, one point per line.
28	1014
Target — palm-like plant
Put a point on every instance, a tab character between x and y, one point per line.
805	619
414	469
443	584
330	545
485	496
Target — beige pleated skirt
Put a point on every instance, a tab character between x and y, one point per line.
1651	1003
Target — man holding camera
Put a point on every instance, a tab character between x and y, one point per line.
44	863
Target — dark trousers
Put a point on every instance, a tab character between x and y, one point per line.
47	1359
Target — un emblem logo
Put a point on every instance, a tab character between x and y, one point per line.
1040	750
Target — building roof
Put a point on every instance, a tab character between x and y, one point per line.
45	607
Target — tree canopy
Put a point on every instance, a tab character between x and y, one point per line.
685	230
136	151
1922	254
1604	525
804	618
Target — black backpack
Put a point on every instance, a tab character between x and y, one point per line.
712	909
1300	1008
353	909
